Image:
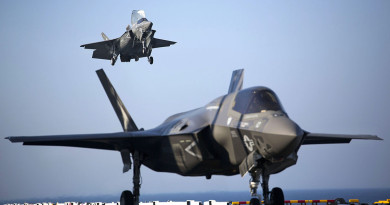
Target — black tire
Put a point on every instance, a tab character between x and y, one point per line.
277	196
254	201
151	60
340	201
127	198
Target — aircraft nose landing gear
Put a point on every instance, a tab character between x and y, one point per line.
254	184
275	197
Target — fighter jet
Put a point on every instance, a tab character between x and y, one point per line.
243	131
137	42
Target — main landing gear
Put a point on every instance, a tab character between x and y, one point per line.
275	197
113	59
150	60
128	197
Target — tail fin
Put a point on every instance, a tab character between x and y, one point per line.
236	81
105	37
121	111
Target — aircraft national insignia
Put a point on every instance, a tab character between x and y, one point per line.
248	143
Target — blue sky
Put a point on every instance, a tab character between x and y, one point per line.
328	61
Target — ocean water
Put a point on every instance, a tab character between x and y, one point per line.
364	195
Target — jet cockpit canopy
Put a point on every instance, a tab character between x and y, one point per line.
137	15
255	100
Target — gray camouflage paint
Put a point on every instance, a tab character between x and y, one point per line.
135	43
212	140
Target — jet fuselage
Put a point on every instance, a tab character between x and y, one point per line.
245	131
137	42
224	132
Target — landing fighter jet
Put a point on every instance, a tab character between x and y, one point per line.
244	131
137	42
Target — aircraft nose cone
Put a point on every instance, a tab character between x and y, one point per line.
282	136
282	126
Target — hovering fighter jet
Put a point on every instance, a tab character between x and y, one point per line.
244	131
137	42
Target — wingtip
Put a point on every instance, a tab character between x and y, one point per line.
372	137
11	139
375	137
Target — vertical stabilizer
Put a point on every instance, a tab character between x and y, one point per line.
105	37
236	81
121	111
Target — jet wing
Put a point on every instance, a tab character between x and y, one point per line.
106	141
157	43
103	49
317	138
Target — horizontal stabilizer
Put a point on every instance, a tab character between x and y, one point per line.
318	138
120	110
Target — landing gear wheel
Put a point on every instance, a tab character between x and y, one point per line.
277	196
150	60
136	58
127	198
254	201
340	201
